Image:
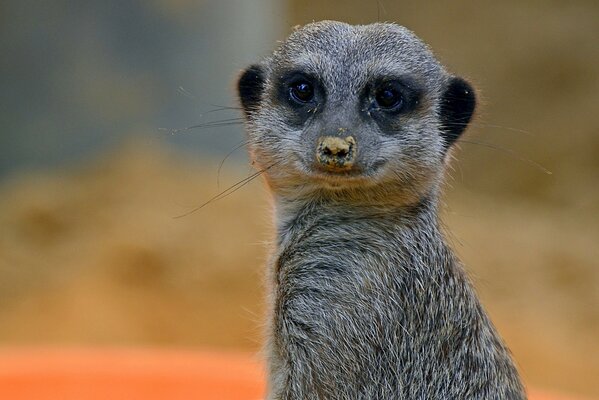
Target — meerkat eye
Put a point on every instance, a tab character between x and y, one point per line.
301	91
389	96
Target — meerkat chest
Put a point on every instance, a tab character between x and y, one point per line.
350	277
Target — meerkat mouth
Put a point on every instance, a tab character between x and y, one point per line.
341	179
341	170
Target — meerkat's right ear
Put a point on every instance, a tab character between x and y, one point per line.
250	87
457	106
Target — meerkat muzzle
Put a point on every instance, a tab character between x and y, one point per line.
335	153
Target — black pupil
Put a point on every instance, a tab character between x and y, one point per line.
388	97
302	91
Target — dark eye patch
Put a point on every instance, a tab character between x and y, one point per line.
390	96
301	92
298	88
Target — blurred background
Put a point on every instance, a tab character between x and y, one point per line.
93	170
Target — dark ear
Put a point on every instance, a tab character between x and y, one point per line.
457	106
250	87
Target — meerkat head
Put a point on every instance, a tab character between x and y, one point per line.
353	108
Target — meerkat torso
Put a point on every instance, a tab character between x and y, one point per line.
351	126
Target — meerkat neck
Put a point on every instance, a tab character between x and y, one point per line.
292	213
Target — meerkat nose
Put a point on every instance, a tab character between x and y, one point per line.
336	154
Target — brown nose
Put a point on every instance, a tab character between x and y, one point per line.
335	153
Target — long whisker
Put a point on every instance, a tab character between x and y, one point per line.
220	166
212	124
493	126
228	191
186	93
224	108
379	6
191	96
509	152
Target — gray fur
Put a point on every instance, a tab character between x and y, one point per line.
367	301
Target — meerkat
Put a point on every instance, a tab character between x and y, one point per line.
351	127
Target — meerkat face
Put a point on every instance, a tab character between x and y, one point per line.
339	106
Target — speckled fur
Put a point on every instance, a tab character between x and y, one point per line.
367	301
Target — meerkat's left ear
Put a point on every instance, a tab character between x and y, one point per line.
250	87
457	106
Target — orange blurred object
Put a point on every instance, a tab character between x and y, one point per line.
94	374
